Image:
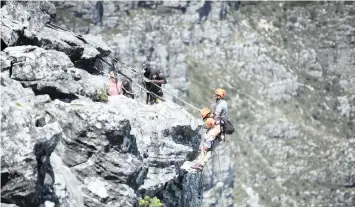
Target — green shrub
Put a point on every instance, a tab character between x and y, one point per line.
101	95
150	202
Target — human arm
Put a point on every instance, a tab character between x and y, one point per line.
213	133
154	81
159	81
218	110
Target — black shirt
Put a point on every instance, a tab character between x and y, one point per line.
158	75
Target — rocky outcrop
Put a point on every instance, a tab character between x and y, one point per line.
288	70
123	148
29	23
110	153
26	146
51	72
61	146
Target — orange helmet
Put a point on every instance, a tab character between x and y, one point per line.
204	112
209	123
220	92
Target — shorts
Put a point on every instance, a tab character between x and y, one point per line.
209	145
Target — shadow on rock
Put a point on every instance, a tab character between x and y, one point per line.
45	175
186	136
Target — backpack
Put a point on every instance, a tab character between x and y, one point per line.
228	127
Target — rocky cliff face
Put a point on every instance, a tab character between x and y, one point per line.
288	68
62	144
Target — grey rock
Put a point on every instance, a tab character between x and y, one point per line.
288	71
66	185
25	148
281	130
189	180
5	61
344	106
8	205
50	71
84	153
175	4
106	151
102	161
28	22
98	43
24	17
10	31
76	48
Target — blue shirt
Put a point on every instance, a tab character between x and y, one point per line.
221	109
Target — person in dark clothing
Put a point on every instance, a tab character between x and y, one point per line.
152	79
147	73
158	79
127	89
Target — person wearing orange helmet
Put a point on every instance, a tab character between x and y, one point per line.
206	113
221	106
214	124
208	145
221	112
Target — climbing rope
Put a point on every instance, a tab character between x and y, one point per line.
135	71
53	26
124	75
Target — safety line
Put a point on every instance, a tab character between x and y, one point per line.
135	71
124	65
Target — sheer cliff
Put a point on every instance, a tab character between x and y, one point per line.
289	71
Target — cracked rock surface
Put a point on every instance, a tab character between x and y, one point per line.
62	145
288	68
